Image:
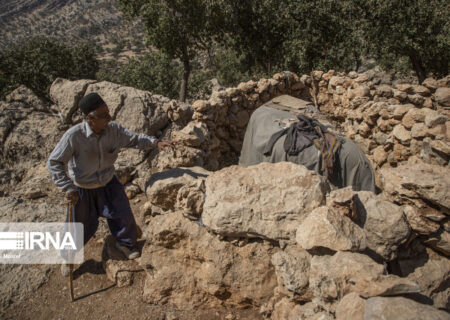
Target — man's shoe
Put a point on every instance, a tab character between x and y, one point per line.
65	270
130	253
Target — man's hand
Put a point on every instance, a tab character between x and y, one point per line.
165	144
72	197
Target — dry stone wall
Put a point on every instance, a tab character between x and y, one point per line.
391	122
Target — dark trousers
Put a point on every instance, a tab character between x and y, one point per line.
110	202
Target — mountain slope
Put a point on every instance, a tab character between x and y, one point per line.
96	21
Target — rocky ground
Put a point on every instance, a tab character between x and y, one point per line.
272	241
97	296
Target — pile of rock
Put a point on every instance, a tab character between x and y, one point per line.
280	240
390	121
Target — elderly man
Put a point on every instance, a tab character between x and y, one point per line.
90	149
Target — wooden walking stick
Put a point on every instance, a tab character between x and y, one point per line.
70	253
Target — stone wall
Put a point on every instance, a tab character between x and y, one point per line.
392	122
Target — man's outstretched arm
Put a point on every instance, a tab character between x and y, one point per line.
130	139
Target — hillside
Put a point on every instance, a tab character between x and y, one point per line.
97	21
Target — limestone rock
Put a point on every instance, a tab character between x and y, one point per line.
266	200
385	226
286	309
200	105
400	110
324	227
401	309
292	269
332	277
351	307
422	90
180	156
430	83
66	94
384	91
217	273
247	86
194	134
118	273
403	135
336	81
419	130
162	188
401	152
418	222
360	91
343	201
442	96
420	180
35	184
379	155
416	99
431	273
136	110
364	129
442	147
412	116
118	270
242	118
190	199
132	190
386	285
440	243
434	119
405	87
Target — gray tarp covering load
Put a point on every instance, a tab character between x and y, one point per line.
352	166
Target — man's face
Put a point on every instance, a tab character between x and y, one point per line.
100	119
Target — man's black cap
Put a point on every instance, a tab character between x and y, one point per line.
90	102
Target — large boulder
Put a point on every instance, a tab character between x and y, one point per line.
187	266
267	200
137	110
